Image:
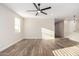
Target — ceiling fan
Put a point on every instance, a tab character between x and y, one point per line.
38	9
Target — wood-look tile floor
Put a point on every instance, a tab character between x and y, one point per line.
38	47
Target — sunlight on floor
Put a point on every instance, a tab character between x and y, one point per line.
70	51
47	34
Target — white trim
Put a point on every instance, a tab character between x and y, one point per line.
5	47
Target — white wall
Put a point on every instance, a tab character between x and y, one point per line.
77	24
71	29
39	28
8	36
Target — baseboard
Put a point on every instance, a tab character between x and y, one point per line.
36	39
5	47
31	38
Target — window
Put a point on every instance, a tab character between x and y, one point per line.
17	25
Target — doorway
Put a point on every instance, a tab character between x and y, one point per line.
59	29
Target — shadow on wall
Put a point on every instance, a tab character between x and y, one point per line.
47	34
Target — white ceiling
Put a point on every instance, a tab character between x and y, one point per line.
58	9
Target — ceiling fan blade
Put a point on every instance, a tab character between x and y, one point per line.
31	10
36	6
45	8
36	13
43	12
